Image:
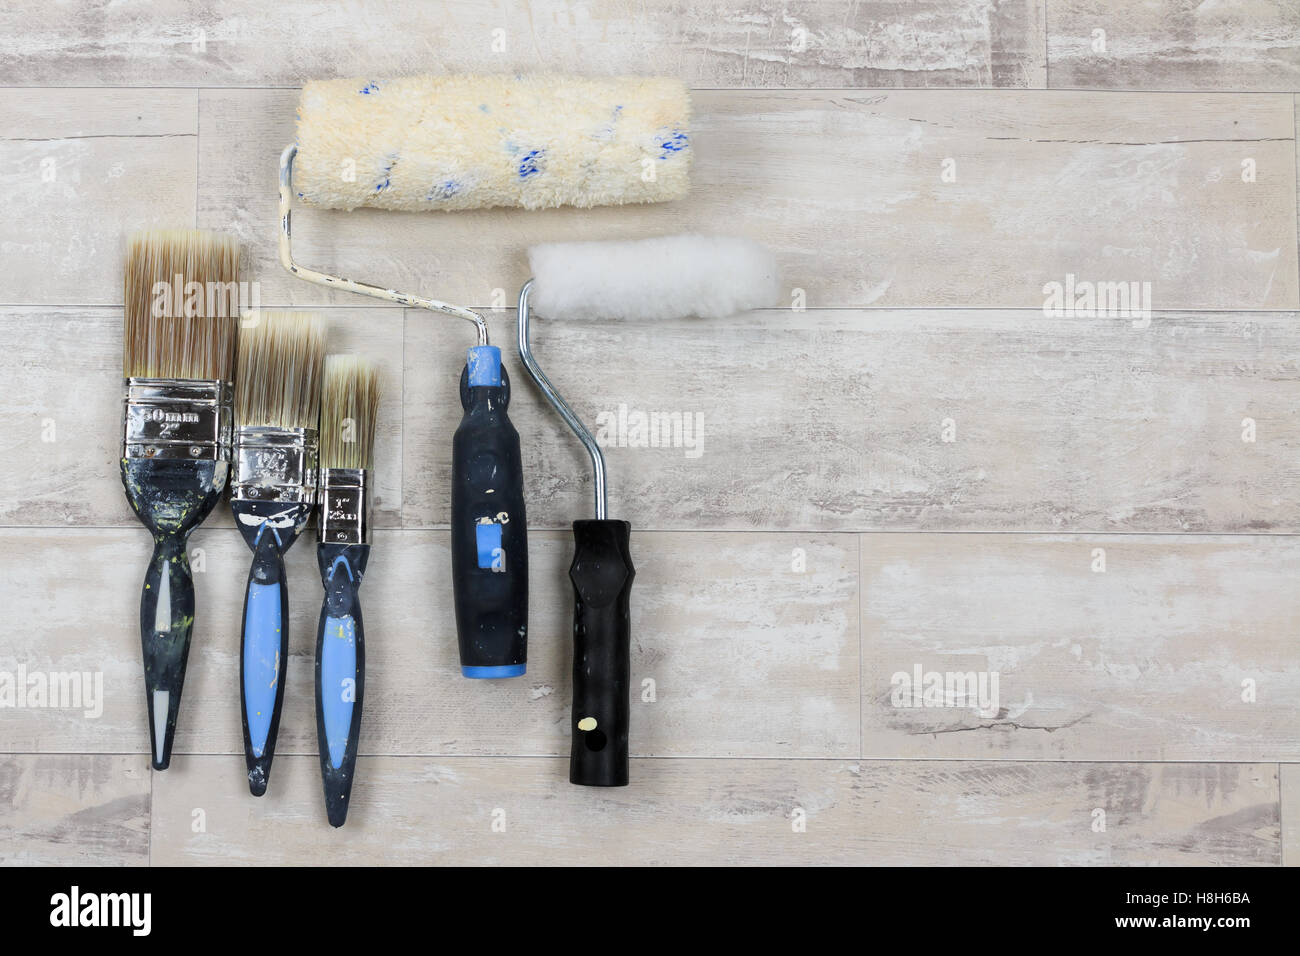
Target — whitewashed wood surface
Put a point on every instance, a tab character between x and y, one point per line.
914	468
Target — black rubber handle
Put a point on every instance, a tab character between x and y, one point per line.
340	672
489	535
171	498
270	529
602	574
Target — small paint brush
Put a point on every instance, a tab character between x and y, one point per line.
272	494
181	302
349	402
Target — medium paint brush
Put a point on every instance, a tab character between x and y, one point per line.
181	305
272	495
349	402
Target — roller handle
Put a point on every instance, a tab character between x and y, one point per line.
489	540
602	574
340	672
263	655
166	624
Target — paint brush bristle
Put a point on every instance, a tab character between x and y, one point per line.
349	403
278	373
181	303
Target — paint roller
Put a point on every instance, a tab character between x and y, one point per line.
474	142
642	280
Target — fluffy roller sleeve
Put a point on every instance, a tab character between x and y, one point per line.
475	142
663	278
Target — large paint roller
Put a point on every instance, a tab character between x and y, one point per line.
448	143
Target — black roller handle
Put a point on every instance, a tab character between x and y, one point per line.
340	672
602	574
171	497
489	527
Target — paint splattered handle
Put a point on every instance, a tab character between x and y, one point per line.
340	672
489	536
166	622
602	574
263	658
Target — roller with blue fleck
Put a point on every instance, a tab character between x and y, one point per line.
449	143
181	300
642	280
272	495
349	402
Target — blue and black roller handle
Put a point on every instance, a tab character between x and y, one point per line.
489	538
602	574
340	672
171	497
269	528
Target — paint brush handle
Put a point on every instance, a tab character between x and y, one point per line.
263	655
602	574
340	672
166	623
489	529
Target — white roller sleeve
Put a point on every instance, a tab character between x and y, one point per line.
664	278
473	142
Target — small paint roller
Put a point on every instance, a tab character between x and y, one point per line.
642	280
449	143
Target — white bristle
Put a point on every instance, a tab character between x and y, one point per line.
663	278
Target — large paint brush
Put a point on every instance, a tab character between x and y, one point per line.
272	495
349	402
178	356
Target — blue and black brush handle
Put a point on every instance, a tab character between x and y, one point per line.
602	574
489	537
269	528
340	672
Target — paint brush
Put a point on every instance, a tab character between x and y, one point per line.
272	494
349	401
181	300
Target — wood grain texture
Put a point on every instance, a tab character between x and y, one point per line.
846	187
835	421
746	657
1174	45
410	810
79	170
743	43
61	408
1153	659
74	810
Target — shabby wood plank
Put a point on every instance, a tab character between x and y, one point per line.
1174	45
736	652
483	811
79	170
1183	648
74	810
841	420
742	43
846	187
63	415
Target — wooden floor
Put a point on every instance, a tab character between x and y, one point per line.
905	467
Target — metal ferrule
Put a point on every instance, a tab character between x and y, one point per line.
345	506
275	464
177	418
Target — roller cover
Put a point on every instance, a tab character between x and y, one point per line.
474	142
